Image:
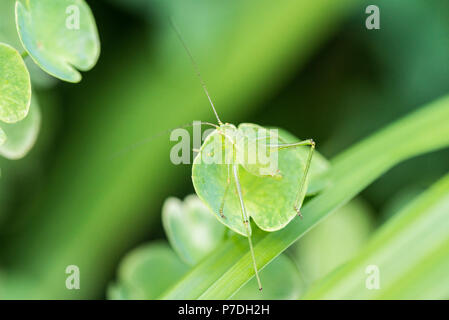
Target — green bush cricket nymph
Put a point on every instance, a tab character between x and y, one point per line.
250	171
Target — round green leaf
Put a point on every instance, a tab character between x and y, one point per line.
269	201
281	281
22	135
191	230
8	34
147	272
15	85
2	137
59	36
116	291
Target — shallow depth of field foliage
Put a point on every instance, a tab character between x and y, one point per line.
86	177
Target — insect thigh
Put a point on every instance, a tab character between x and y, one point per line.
303	182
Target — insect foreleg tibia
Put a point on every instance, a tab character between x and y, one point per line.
311	143
245	218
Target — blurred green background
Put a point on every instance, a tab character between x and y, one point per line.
93	186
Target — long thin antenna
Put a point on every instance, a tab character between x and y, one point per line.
157	135
197	69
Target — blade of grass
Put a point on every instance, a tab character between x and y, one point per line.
423	131
409	252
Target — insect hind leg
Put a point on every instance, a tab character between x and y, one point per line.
246	222
300	195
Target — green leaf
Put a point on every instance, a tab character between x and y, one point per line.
269	201
147	271
22	135
117	292
229	266
410	252
60	36
334	241
191	230
15	85
8	34
282	282
2	137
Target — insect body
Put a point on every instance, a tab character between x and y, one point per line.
251	172
237	185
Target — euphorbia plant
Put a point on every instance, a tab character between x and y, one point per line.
59	37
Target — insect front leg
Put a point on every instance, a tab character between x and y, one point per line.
300	194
